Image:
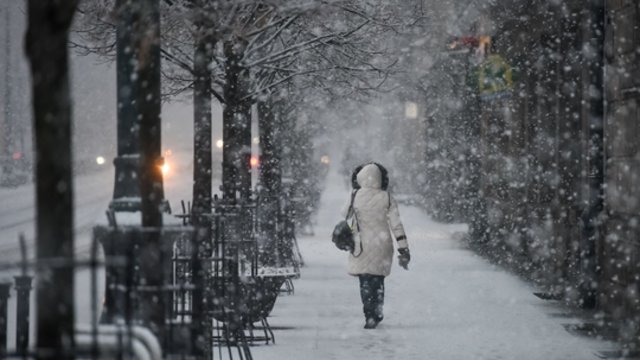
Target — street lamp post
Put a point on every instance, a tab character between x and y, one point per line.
126	191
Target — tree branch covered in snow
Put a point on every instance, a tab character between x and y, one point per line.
340	44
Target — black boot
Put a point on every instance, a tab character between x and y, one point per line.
371	323
372	295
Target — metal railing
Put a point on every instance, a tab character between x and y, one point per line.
153	306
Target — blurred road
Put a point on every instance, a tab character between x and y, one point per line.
92	193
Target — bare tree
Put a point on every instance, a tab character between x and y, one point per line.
238	52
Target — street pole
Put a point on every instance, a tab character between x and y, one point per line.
126	191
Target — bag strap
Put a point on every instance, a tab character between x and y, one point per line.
351	209
361	250
353	196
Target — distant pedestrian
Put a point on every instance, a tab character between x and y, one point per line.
376	219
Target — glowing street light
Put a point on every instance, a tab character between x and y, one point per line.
219	143
253	161
100	160
410	110
164	168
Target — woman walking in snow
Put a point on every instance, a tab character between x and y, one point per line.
376	218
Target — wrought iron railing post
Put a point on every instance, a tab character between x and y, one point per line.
23	290
4	300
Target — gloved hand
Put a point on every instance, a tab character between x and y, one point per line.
404	257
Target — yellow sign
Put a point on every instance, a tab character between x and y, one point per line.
495	77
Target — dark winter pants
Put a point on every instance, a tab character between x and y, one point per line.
372	295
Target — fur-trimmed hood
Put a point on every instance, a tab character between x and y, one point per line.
370	177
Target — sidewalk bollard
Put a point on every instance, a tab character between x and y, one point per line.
23	288
4	321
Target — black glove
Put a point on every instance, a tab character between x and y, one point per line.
404	257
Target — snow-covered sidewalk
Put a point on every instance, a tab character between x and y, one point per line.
451	304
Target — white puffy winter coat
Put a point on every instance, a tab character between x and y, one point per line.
377	219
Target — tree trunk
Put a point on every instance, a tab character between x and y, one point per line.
202	150
270	171
46	46
592	214
271	182
236	152
147	45
146	38
202	178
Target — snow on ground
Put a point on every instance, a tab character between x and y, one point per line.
451	304
17	215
